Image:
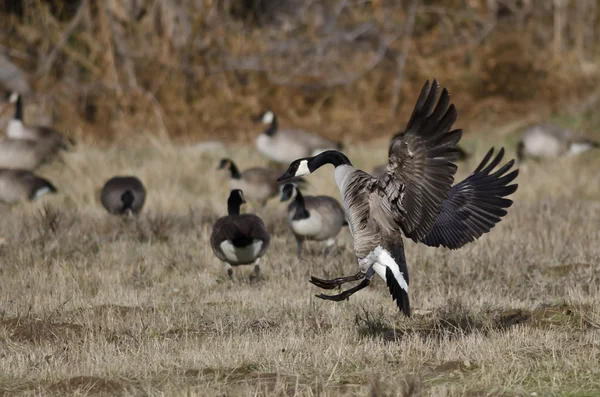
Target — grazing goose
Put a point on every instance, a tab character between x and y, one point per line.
16	128
550	141
24	153
258	184
284	146
316	218
239	239
123	194
382	168
19	185
414	198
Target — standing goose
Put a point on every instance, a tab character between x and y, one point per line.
123	194
20	185
258	184
284	146
239	239
16	128
316	218
24	153
414	198
550	141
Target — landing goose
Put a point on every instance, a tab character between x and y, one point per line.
414	198
318	218
382	168
258	184
17	129
542	141
239	239
285	145
20	185
121	195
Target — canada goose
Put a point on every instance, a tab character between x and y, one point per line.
313	217
284	146
258	184
541	141
24	153
239	239
17	185
414	198
123	194
382	168
16	128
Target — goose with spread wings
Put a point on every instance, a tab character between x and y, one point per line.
414	197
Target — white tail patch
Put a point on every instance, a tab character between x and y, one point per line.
380	258
579	147
241	255
41	192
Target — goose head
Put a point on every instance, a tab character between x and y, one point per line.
287	191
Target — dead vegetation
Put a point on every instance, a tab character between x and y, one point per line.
347	68
96	305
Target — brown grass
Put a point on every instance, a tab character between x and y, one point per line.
96	305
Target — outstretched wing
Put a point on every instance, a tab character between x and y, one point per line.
421	168
474	205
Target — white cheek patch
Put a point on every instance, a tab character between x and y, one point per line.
14	97
268	117
302	168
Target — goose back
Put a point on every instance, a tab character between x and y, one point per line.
239	239
123	193
319	218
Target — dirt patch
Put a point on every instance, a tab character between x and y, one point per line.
87	385
183	333
454	366
240	375
455	319
545	316
37	331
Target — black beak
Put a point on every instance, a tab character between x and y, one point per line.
257	118
286	175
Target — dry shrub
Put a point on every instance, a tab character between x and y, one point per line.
201	69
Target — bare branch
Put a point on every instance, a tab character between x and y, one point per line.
401	59
49	61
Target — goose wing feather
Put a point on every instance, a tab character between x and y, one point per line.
420	171
475	205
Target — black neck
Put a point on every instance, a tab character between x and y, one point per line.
272	128
328	157
299	198
19	109
301	211
235	172
233	205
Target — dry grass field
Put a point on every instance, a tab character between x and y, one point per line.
97	305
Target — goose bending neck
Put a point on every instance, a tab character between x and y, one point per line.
19	109
328	157
272	128
233	205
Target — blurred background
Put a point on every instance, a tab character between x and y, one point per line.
351	70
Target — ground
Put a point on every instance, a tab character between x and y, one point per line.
95	305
